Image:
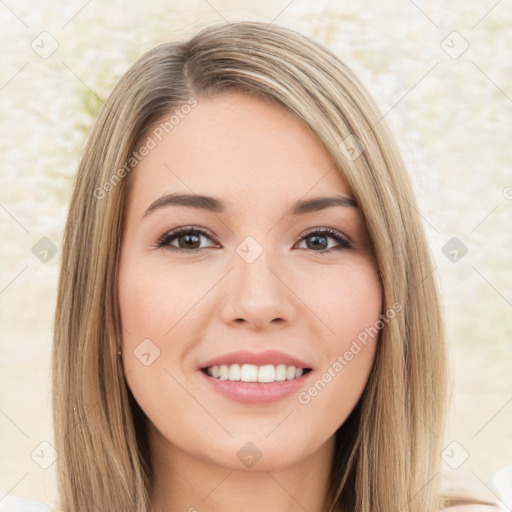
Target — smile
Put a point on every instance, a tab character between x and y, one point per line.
251	373
255	391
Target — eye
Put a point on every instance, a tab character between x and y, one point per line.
187	238
320	240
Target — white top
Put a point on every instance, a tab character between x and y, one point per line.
15	504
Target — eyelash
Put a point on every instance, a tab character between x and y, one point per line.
164	241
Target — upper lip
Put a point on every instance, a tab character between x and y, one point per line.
257	358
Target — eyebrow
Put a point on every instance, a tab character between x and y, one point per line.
215	205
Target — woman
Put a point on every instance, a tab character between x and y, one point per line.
247	317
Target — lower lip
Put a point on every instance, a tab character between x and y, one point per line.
256	392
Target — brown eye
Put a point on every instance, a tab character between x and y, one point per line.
188	239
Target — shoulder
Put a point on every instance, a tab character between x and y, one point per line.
462	492
476	507
16	504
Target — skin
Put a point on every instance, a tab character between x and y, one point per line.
196	305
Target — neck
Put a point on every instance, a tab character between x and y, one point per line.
186	483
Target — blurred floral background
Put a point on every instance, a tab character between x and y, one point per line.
442	75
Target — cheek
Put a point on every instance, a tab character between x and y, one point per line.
154	300
159	314
347	300
165	310
350	307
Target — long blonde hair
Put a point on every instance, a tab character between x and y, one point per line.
387	453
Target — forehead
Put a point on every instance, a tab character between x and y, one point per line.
238	147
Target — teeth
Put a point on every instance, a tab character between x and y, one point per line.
234	372
253	373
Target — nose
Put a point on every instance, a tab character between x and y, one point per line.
258	294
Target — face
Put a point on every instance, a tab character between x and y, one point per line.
282	285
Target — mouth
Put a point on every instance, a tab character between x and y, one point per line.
256	378
250	384
250	373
